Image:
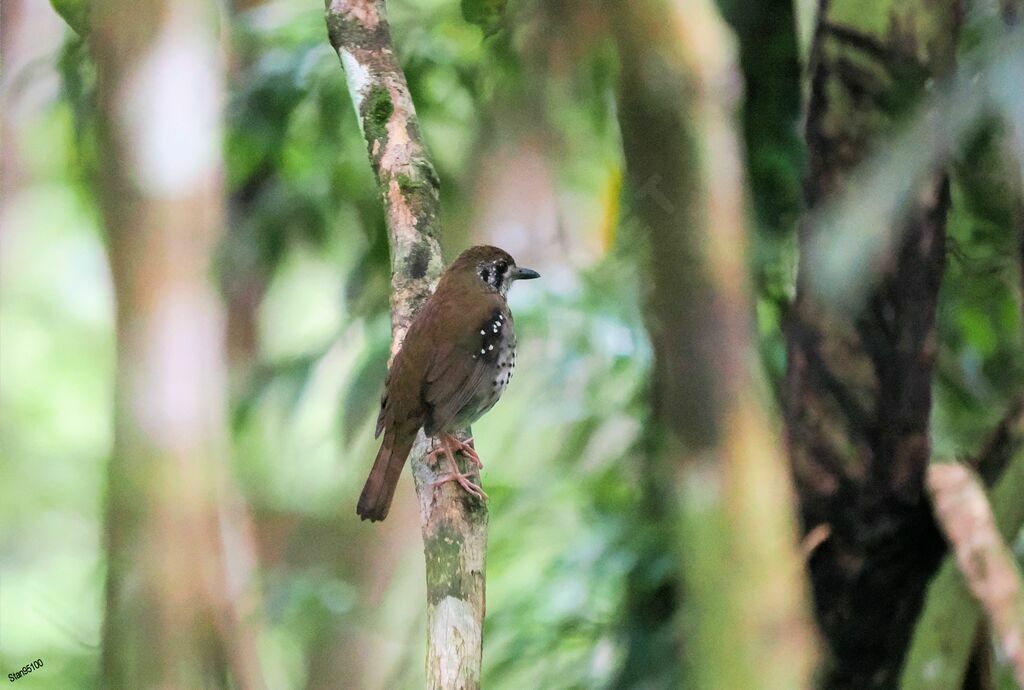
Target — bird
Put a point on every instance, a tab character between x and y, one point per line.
455	362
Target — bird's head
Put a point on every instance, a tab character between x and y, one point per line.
493	267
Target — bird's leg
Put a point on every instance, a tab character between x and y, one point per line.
466	448
456	474
434	452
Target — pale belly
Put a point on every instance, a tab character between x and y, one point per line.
490	391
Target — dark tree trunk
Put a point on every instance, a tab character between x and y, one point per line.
859	378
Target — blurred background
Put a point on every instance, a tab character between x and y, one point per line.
518	108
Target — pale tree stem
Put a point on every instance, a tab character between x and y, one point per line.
966	518
944	633
454	530
744	605
179	592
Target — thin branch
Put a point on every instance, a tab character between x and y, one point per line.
1002	444
965	515
454	530
945	630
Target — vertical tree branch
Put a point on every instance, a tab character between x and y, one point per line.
742	585
454	530
173	573
859	377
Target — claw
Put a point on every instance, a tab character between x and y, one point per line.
463	481
447	443
433	454
466	448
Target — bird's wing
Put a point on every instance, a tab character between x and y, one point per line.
382	417
460	368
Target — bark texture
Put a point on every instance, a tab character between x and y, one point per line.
178	557
454	530
859	377
745	622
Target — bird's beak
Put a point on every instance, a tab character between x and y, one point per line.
525	274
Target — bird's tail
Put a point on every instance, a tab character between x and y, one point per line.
375	501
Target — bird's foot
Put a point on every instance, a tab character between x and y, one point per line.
463	481
466	448
447	444
433	454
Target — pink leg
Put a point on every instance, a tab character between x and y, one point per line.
466	448
433	454
456	474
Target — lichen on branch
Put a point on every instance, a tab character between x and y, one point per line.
454	529
409	186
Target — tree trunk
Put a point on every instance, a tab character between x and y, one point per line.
743	609
859	378
172	581
454	532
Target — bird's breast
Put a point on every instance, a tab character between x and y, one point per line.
505	365
494	385
498	354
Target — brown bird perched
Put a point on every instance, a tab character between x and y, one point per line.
454	364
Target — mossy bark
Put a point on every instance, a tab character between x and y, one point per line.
713	459
408	185
454	528
859	379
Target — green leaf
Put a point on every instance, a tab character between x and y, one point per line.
75	13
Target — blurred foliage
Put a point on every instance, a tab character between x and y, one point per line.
571	539
980	365
771	117
484	13
75	13
56	401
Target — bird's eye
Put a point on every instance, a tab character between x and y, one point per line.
501	267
